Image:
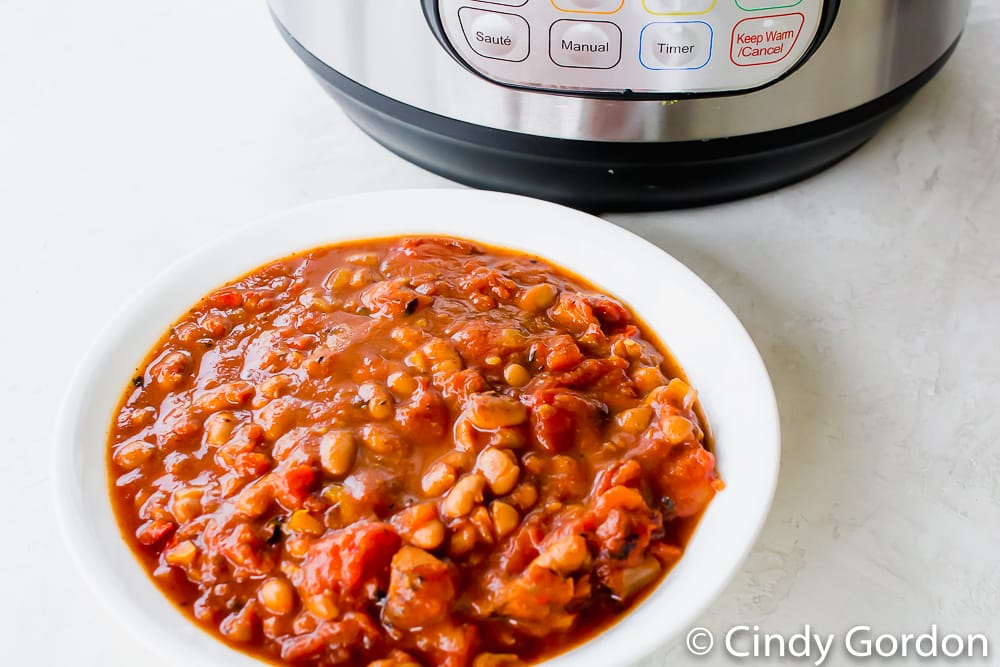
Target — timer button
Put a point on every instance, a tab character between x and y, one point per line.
589	6
496	35
676	45
678	7
588	44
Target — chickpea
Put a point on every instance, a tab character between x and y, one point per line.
524	496
465	433
680	394
277	596
489	411
435	356
493	360
362	277
302	522
497	660
185	504
133	454
338	279
364	259
322	606
483	523
439	478
256	498
395	659
507	438
516	375
500	469
635	420
380	405
539	297
429	536
406	336
219	428
505	518
626	348
564	556
402	383
459	460
463	540
297	546
512	338
463	497
383	440
337	451
535	464
171	370
648	378
419	525
272	387
215	326
677	429
239	626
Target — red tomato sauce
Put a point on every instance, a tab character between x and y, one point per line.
410	451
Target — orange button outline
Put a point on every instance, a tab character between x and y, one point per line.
650	11
581	11
732	40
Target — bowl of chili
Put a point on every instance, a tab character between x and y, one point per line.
417	428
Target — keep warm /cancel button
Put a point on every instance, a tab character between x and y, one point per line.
765	40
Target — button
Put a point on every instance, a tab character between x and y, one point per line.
510	3
758	5
495	35
765	40
676	45
678	7
589	6
590	44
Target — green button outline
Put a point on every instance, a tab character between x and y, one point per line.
764	9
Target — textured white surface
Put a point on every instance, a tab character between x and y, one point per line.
129	130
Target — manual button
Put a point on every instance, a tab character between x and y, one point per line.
496	35
585	44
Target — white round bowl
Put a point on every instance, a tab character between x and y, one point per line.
702	333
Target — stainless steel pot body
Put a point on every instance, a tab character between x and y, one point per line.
871	48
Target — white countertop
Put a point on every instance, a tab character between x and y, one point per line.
131	130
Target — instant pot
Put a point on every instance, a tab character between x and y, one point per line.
623	104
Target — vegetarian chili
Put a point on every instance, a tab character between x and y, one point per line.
409	451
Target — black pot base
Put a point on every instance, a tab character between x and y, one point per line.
611	176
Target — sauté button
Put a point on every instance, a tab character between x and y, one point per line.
678	7
590	44
589	6
765	40
496	35
676	45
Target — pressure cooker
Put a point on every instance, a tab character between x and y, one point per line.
623	104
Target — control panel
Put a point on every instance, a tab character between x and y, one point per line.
636	46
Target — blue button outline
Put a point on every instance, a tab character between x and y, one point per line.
711	46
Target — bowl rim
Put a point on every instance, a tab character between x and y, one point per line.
148	623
